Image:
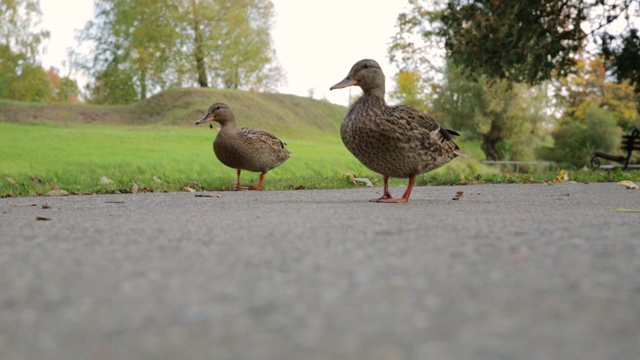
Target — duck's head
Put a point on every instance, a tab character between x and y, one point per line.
365	73
219	113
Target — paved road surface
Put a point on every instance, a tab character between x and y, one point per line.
505	272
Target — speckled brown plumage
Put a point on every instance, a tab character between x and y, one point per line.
395	141
244	148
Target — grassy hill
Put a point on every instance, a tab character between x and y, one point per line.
286	115
75	147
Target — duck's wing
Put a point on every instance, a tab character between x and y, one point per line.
422	120
261	138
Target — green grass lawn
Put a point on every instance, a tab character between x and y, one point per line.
75	157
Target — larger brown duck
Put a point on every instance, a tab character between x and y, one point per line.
395	141
244	148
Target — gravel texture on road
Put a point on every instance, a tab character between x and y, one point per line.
526	271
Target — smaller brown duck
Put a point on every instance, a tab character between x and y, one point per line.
244	148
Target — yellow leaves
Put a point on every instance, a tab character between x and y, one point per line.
589	87
563	176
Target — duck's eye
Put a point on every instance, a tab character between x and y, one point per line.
366	66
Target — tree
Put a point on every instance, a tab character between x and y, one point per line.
229	43
624	58
594	113
520	41
64	89
21	77
142	46
411	90
18	20
506	117
133	44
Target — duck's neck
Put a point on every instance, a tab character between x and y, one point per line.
228	126
377	92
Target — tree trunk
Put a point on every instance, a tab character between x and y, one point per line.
198	43
143	85
490	141
201	67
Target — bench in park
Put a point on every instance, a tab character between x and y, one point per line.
630	142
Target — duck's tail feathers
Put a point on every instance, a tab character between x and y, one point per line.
461	153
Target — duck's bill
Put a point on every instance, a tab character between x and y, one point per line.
207	118
348	81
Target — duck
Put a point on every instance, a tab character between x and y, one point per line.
394	141
244	148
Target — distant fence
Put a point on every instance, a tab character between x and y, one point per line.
538	164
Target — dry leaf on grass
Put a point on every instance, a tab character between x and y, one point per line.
11	181
563	175
134	188
355	180
106	181
189	189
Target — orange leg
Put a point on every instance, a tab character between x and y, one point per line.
386	198
259	186
386	195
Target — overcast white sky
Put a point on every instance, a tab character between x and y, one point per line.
317	41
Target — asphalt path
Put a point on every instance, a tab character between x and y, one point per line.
503	272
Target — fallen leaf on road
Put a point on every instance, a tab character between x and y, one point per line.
458	195
625	210
628	184
57	192
46	206
39	218
213	195
189	189
23	205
